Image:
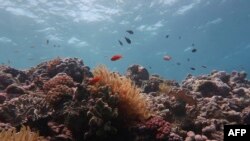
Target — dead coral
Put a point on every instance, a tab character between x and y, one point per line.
25	134
132	105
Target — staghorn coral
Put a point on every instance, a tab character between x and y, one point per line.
132	105
25	134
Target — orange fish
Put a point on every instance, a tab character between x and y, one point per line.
116	57
94	80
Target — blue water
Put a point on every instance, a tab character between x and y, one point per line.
90	29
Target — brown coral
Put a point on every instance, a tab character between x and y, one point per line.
179	94
59	79
59	88
58	94
132	105
53	63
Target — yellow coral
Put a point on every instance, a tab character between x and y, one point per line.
132	105
25	134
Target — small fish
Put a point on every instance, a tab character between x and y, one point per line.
120	42
150	67
178	63
47	42
94	80
9	61
188	59
193	44
194	50
32	46
127	40
167	58
54	45
204	67
179	37
116	57
167	36
130	31
192	68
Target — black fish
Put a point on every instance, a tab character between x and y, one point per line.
128	40
194	50
47	42
192	68
120	42
204	66
130	31
167	36
178	63
193	44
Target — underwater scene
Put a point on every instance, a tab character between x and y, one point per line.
123	70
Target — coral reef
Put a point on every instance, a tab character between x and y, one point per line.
64	100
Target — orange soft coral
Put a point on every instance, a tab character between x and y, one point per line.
132	105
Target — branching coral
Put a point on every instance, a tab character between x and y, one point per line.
132	105
25	107
25	134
